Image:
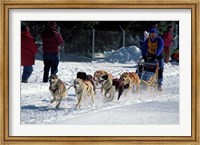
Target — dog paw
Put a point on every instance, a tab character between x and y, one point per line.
57	106
78	107
52	101
74	109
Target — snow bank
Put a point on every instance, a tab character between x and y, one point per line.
125	55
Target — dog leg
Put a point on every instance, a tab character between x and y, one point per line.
112	96
105	93
121	89
53	100
53	96
101	89
137	88
132	88
79	101
58	104
92	97
108	97
92	92
51	92
126	92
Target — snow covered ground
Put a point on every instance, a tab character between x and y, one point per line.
145	107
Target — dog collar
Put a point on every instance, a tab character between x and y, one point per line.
110	86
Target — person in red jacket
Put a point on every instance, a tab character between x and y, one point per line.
28	52
168	40
51	39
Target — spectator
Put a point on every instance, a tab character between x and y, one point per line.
152	49
146	35
168	40
51	39
28	52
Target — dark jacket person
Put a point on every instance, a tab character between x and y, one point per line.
51	39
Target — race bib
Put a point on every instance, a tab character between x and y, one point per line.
152	47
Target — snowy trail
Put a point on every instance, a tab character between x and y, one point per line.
144	113
147	107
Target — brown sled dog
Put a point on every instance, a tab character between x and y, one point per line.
130	79
97	77
57	89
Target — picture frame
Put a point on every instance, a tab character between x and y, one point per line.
100	4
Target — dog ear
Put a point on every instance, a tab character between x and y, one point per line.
56	76
89	77
53	76
81	75
105	77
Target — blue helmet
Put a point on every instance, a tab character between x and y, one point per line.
153	30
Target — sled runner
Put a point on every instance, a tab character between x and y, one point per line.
148	72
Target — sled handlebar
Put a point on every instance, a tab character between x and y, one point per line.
148	63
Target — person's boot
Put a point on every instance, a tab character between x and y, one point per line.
159	88
45	79
24	81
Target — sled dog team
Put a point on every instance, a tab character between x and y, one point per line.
85	85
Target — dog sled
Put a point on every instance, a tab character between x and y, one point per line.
148	72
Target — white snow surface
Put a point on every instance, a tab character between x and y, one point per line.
142	108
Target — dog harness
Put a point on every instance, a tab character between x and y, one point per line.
54	89
109	87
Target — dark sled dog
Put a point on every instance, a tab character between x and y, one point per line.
111	86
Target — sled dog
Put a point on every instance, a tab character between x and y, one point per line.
83	89
97	77
86	77
111	86
130	79
57	89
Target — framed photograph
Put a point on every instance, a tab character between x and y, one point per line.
85	49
